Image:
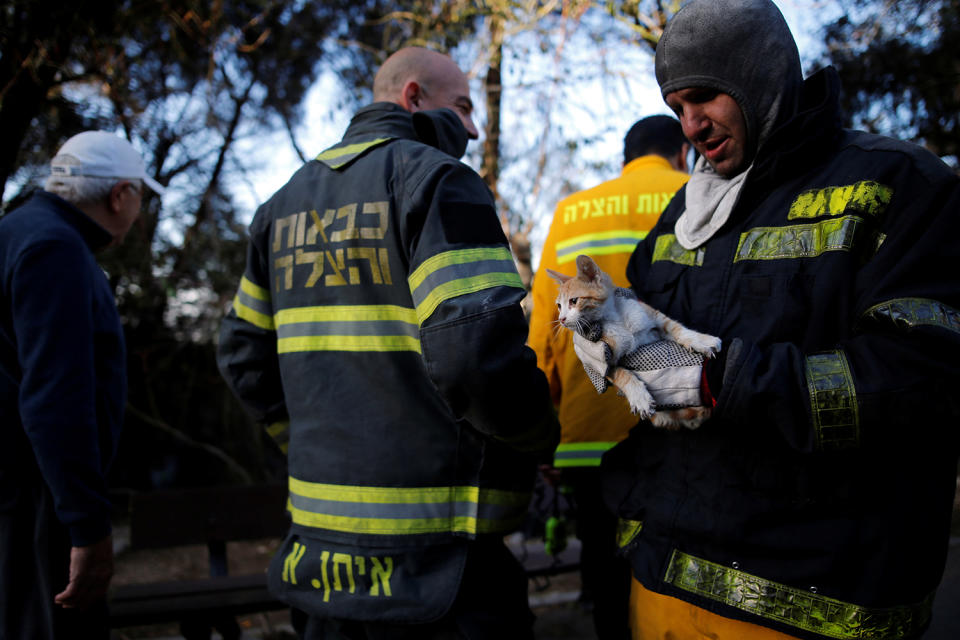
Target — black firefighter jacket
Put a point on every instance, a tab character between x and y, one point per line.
817	500
379	321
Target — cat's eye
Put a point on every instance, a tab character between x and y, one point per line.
574	300
558	306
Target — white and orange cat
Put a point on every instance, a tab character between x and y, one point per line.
589	302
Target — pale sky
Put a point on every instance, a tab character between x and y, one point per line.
325	126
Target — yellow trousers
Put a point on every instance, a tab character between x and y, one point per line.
658	617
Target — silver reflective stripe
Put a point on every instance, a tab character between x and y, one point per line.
459	272
602	243
798	241
252	303
800	608
347	328
910	313
405	510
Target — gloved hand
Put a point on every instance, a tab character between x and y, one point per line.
672	374
596	357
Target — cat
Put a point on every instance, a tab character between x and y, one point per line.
589	302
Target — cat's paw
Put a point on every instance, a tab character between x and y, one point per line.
708	346
690	418
641	402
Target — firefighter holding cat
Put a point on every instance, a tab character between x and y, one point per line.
605	222
378	324
816	502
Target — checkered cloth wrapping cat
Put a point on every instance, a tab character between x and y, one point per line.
639	338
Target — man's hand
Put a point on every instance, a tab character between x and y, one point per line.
91	568
672	374
596	358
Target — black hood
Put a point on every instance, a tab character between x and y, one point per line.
743	48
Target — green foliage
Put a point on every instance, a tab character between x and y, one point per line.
900	67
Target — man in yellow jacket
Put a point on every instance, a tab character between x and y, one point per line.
606	223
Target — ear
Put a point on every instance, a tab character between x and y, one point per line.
411	95
587	268
559	277
115	197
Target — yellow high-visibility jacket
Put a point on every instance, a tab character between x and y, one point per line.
606	223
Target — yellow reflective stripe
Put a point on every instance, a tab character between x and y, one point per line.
866	197
800	608
459	272
347	328
346	313
464	286
456	257
252	316
253	290
667	249
347	343
627	531
279	432
910	313
252	303
798	241
405	510
336	157
833	401
580	454
599	244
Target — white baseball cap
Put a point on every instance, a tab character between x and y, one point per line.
102	155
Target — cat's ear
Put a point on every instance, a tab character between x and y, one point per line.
587	268
559	277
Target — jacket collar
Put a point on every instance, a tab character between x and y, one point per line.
95	236
810	134
439	128
646	162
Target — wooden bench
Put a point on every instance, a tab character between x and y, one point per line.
210	516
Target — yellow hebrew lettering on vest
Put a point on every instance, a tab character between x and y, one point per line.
613	205
665	199
645	203
335	279
320	226
291	561
569	213
370	255
867	197
380	575
288	223
314	258
382	209
350	232
361	563
345	560
584	209
385	266
301	228
286	264
599	207
324	556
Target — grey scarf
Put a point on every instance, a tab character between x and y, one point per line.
709	198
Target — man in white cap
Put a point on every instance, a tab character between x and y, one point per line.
816	502
62	389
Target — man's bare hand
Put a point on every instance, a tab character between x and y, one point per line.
91	568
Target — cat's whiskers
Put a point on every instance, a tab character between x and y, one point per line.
557	328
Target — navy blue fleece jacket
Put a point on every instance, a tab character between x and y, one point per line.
62	364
